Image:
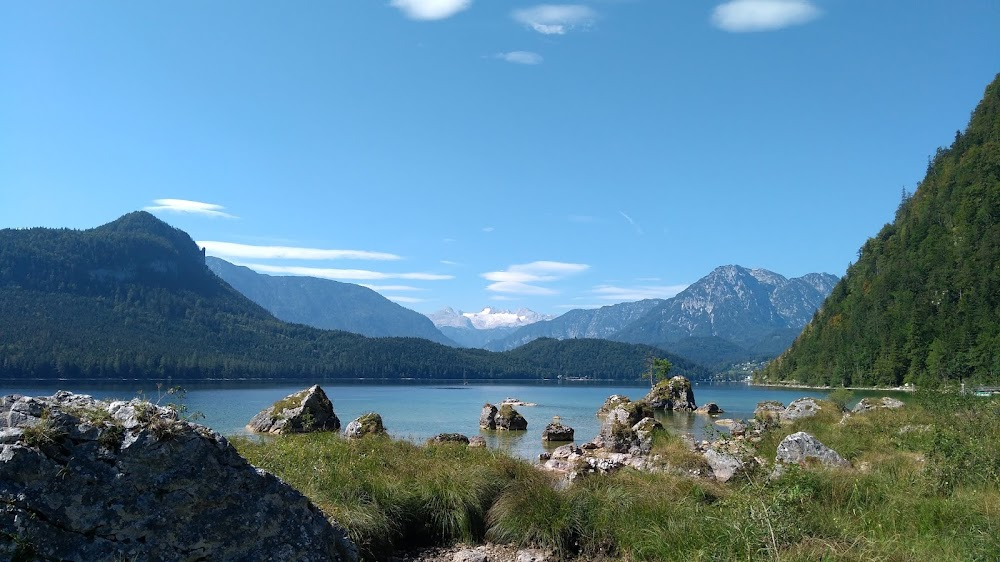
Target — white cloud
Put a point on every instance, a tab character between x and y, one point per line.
392	287
430	9
520	57
518	278
488	229
519	288
234	250
339	274
626	294
763	15
555	19
635	225
185	206
449	262
407	300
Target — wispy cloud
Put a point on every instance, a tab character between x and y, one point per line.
522	279
430	9
449	262
614	293
741	16
488	229
343	274
635	225
520	57
400	298
555	19
381	288
191	207
234	250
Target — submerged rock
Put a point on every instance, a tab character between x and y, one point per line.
365	424
94	480
711	409
305	411
674	394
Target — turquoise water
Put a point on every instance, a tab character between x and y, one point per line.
419	411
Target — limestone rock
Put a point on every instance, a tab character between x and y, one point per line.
711	409
800	409
488	417
674	394
95	480
443	438
768	411
509	419
305	411
556	431
869	404
365	424
477	441
801	449
724	465
613	401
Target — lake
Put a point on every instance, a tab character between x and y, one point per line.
419	411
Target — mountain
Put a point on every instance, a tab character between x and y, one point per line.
133	299
326	304
922	303
479	329
752	308
602	323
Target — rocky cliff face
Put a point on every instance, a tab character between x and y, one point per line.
82	479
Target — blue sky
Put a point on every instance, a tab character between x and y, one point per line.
473	153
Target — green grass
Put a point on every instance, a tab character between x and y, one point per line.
923	486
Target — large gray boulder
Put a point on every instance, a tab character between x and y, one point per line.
613	401
557	432
800	409
302	412
365	424
803	449
724	465
674	394
82	479
488	417
869	404
509	419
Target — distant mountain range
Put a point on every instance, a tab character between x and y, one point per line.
732	315
133	299
327	304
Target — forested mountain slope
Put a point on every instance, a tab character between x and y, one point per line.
922	303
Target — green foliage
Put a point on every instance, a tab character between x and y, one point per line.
659	370
924	486
841	397
922	303
133	299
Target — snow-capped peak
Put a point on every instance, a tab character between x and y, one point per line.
490	318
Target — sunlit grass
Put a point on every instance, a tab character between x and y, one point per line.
923	486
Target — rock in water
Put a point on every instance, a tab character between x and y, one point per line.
674	394
556	431
91	480
305	411
711	409
365	424
509	419
613	401
448	438
488	417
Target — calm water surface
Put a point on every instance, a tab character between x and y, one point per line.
419	411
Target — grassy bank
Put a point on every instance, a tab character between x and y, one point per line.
925	485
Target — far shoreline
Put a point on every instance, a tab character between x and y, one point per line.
827	387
